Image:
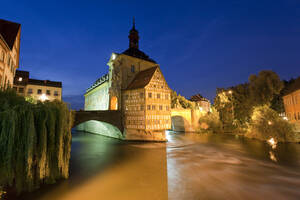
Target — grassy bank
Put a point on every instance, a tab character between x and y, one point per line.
35	142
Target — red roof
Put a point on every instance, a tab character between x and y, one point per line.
142	79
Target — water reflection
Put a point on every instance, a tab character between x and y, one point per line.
189	166
228	167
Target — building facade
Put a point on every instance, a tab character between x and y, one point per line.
40	90
9	51
291	102
202	103
135	86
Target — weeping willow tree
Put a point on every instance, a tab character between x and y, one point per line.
35	142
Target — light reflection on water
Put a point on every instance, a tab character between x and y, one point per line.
189	166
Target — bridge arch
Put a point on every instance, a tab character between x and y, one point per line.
106	122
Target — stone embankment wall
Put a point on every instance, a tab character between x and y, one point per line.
185	120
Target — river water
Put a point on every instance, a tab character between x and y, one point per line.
190	166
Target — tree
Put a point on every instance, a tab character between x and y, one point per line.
264	86
235	108
266	124
178	100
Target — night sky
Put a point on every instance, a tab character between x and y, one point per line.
200	45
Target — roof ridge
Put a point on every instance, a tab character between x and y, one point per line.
142	78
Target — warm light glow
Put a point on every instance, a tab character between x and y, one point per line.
201	109
113	56
43	97
272	142
230	91
272	156
269	123
168	136
285	118
20	79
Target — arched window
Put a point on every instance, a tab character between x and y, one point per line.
114	103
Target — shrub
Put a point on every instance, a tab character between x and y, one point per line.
211	122
266	123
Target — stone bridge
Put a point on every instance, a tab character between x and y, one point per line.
113	117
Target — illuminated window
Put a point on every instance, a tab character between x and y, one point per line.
153	107
160	107
167	107
148	107
158	96
141	95
142	107
150	95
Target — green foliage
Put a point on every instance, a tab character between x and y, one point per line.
35	142
277	101
236	108
264	86
180	101
266	123
211	122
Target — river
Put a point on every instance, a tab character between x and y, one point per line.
190	166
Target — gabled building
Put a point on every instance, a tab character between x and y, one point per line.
40	90
135	86
146	102
201	103
291	101
9	51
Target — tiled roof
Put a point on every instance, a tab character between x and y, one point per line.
142	79
134	52
98	82
9	31
198	97
44	83
27	81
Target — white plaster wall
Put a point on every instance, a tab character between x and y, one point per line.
97	99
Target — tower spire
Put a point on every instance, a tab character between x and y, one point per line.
133	23
133	36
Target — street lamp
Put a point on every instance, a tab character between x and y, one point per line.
43	97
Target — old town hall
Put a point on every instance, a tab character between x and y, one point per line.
136	86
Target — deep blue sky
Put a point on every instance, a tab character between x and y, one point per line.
200	45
